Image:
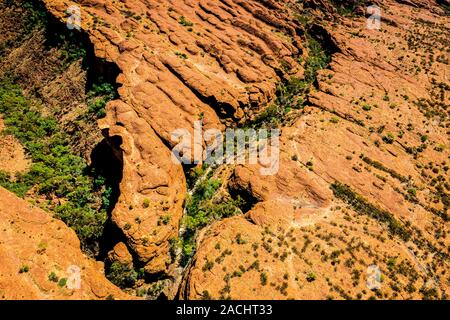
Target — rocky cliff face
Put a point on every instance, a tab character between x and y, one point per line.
363	172
301	240
180	62
41	257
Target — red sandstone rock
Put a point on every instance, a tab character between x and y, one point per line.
33	246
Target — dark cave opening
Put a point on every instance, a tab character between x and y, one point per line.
107	162
249	199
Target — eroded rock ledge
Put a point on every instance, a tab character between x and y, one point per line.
34	246
355	186
221	61
180	61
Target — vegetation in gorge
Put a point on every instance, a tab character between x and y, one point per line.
292	94
203	207
56	172
194	174
98	97
122	275
445	5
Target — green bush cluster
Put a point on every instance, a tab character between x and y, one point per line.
62	282
24	269
291	94
98	97
18	187
53	277
362	206
122	275
380	166
194	174
445	5
55	170
201	209
318	59
71	48
184	22
263	278
36	14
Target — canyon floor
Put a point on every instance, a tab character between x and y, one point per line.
93	206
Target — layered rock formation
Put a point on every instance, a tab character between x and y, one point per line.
299	229
180	62
41	257
300	241
363	168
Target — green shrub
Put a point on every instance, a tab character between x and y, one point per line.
311	277
62	282
55	170
122	275
208	265
71	50
100	94
53	277
317	60
185	22
194	174
263	278
366	107
239	239
389	138
201	210
36	18
334	119
291	94
24	269
164	220
146	203
362	206
127	226
17	187
380	166
181	55
445	6
347	7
